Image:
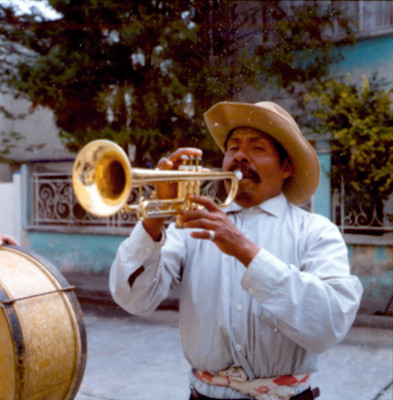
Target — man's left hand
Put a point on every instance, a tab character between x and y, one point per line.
226	235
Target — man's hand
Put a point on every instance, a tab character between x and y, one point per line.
172	162
227	236
167	190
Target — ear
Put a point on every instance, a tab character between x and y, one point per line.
287	169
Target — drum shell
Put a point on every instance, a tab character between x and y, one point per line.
42	334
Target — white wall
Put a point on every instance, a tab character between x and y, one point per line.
11	208
38	128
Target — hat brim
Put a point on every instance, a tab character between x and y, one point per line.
276	122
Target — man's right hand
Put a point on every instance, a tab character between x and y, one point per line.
172	162
167	190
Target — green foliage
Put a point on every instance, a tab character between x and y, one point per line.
304	45
8	141
360	122
145	71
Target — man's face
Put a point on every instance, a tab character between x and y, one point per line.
255	155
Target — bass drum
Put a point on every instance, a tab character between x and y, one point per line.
42	333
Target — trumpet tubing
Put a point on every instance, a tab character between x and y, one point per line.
103	179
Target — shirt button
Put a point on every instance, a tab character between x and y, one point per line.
239	307
238	347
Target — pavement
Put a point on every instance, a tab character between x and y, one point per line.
134	358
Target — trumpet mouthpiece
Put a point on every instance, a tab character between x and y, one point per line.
239	175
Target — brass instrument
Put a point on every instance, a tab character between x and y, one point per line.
103	179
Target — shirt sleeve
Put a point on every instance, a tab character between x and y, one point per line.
153	281
314	303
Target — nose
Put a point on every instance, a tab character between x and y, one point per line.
241	155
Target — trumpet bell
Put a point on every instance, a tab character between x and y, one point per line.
101	177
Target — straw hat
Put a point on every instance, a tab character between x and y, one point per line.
272	119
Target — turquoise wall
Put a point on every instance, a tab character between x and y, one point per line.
369	55
373	265
76	252
322	203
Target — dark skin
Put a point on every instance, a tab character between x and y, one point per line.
254	154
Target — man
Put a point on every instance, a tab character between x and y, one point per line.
265	285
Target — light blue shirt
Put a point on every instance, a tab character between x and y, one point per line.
295	299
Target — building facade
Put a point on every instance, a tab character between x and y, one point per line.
47	218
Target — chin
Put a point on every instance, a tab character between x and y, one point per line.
245	199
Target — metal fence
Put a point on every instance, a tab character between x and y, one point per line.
55	205
351	216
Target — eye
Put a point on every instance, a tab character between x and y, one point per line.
233	147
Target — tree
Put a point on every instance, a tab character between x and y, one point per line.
145	71
359	120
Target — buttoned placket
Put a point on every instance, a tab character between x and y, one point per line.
237	299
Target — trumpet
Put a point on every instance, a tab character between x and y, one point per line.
103	179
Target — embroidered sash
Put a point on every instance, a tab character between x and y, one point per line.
278	388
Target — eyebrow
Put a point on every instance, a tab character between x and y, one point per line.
252	139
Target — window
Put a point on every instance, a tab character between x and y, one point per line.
369	18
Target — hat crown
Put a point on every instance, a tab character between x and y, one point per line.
273	107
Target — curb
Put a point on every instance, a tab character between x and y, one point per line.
374	321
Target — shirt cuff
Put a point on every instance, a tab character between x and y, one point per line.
263	275
140	246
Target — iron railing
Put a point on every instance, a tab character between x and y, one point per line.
54	204
351	216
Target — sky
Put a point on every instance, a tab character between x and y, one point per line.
25	5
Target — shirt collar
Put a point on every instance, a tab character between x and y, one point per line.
274	206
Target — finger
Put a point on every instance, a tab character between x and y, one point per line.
208	234
200	223
189	151
5	239
204	201
173	160
176	157
164	163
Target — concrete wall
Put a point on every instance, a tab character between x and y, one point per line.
373	264
11	208
76	253
40	134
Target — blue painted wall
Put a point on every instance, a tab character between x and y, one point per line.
322	203
76	252
368	56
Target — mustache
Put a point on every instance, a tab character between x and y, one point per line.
246	170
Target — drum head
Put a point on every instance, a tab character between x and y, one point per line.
42	334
